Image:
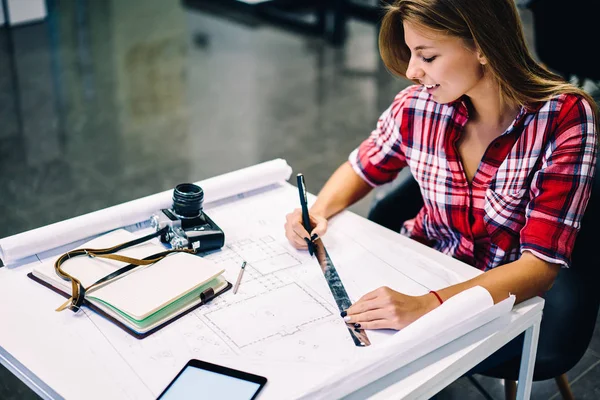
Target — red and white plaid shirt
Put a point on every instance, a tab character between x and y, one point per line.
529	192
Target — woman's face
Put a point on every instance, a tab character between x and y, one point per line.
443	64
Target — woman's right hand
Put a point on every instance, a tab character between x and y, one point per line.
295	232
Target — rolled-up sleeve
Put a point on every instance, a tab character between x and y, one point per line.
379	158
561	188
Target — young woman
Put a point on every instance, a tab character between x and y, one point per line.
504	152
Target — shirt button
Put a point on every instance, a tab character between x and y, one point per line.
496	145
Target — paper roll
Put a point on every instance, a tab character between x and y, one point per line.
459	315
16	247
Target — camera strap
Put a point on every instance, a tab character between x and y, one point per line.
78	290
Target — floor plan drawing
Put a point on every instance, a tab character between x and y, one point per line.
283	311
282	321
270	315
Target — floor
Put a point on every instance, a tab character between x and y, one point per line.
108	101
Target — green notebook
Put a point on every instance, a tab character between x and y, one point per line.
145	298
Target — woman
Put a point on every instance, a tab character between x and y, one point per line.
504	152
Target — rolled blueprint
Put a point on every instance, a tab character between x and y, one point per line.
16	247
459	315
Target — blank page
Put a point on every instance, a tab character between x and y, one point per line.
89	270
150	288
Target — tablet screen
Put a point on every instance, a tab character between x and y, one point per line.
213	382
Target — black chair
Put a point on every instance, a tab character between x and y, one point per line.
571	306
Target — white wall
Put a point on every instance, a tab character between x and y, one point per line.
22	11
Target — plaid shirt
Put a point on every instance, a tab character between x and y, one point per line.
529	192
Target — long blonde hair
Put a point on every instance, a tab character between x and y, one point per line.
491	26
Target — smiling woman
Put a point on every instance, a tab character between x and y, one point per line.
437	58
490	31
504	152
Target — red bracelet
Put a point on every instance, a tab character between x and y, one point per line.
437	295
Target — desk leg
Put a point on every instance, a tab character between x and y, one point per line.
528	360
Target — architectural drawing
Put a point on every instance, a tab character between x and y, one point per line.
280	312
283	311
282	323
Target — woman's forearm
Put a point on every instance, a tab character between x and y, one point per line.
526	277
341	190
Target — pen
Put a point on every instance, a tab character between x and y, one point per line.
239	278
304	205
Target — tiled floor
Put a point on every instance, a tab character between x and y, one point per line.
108	101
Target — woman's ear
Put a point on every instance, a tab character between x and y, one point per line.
481	58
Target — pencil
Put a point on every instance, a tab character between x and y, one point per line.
239	278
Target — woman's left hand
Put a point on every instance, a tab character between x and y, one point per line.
385	308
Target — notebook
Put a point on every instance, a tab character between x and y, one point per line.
146	298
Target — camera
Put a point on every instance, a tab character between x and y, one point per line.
187	225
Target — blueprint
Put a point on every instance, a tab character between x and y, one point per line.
283	311
282	323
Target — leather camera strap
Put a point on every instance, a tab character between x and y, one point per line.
78	293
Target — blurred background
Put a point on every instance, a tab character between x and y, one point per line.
105	101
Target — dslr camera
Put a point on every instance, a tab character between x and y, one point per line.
187	225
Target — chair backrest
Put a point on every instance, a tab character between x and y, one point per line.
397	203
572	303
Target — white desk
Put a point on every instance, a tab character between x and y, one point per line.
43	347
428	375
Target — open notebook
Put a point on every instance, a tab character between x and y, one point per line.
146	298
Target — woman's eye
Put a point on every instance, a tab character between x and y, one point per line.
430	59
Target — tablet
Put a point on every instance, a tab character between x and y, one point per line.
202	380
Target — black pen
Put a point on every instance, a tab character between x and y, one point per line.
304	205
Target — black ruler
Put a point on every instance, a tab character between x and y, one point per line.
359	336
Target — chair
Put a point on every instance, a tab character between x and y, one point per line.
571	306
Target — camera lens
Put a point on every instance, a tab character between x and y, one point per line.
187	200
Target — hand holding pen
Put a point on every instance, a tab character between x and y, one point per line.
302	228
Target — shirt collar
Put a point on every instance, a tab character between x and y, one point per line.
460	107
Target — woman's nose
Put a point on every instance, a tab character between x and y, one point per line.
414	71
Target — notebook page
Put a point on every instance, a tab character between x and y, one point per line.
151	288
166	313
89	270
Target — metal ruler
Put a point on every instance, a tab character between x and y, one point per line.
359	336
